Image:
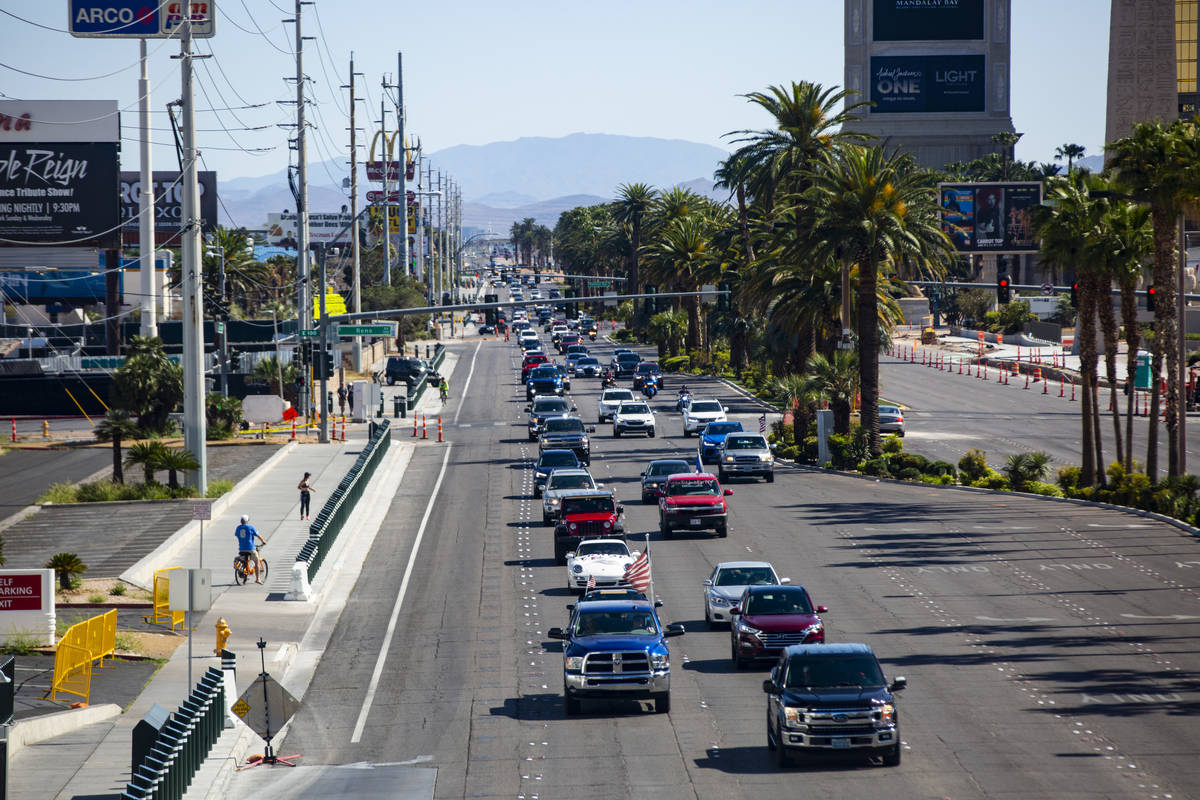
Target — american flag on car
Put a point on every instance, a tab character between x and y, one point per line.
637	574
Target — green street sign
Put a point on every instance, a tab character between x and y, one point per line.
384	329
220	326
310	333
598	284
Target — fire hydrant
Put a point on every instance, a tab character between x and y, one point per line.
223	633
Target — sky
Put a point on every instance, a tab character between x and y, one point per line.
478	71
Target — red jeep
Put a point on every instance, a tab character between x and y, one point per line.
586	514
529	362
693	501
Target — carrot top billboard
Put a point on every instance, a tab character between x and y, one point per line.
990	217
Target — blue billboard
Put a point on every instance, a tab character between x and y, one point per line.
924	84
926	20
55	286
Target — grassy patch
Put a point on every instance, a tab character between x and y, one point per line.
219	487
126	641
95	599
20	644
104	491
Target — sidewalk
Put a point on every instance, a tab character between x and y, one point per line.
94	761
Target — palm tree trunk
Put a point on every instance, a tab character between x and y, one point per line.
1108	324
118	474
1164	339
1129	321
693	329
868	355
1085	335
634	286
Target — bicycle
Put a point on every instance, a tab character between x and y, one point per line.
243	568
445	394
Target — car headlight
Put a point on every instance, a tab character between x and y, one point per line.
652	485
814	633
660	661
717	600
553	501
793	717
766	459
574	663
572	526
585	440
742	627
577	568
887	713
729	459
607	524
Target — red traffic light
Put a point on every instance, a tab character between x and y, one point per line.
1004	283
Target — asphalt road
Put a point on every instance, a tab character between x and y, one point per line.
1049	648
25	474
950	413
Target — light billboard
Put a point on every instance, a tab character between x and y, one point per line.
990	217
925	84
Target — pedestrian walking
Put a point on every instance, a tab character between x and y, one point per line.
305	487
342	398
350	401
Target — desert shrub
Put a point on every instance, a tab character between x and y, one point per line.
990	480
942	469
909	474
877	467
973	465
892	444
1068	478
1048	489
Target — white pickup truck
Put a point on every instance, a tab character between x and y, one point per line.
610	400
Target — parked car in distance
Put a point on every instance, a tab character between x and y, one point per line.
711	437
746	454
891	420
549	461
486	330
560	481
601	562
768	619
699	413
695	502
832	699
729	579
610	400
633	416
654	476
399	368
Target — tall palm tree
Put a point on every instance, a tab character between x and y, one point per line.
633	203
682	250
116	427
1155	166
1007	141
877	210
732	174
1070	152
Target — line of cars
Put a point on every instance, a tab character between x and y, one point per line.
821	698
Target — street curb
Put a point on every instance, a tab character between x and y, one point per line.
141	574
38	729
1137	512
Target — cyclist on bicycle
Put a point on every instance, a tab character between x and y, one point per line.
444	388
247	546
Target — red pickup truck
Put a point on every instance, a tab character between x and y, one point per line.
694	501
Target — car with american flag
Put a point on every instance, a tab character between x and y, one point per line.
599	563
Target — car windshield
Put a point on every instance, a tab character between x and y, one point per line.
577	348
564	425
745	443
543	372
692	486
705	407
634	408
534	359
587	361
558	482
646	368
809	671
587	505
745	576
619	623
602	549
891	410
790	601
721	428
629	357
613	594
613	395
549	405
668	467
558	458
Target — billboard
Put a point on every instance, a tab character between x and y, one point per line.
59	193
926	20
56	286
990	217
923	84
139	19
59	121
168	205
282	228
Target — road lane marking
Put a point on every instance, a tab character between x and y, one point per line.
391	627
463	397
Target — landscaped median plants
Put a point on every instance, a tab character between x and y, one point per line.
103	491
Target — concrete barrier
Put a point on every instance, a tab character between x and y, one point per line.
38	729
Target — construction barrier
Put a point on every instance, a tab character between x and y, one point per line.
83	647
162	609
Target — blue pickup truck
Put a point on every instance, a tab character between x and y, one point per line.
616	649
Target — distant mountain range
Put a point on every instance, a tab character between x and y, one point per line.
503	182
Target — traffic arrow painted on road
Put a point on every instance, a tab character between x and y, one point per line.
1016	619
1175	617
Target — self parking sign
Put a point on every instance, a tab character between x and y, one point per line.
138	19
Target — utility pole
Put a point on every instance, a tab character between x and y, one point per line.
356	288
387	204
403	178
419	215
146	210
193	301
441	244
303	304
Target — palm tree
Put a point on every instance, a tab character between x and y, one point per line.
1022	469
176	461
1154	165
682	250
148	455
67	566
116	427
630	208
1070	152
667	328
834	381
1007	141
732	174
873	210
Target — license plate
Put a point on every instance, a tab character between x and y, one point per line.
694	522
840	744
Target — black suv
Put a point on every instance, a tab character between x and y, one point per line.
829	699
400	368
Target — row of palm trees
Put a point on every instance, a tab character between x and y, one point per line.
817	214
531	241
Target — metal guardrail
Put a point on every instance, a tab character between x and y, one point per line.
182	743
324	530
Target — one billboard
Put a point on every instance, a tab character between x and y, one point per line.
990	217
139	19
168	205
59	193
59	121
926	20
925	84
282	229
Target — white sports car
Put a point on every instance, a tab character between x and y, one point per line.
604	560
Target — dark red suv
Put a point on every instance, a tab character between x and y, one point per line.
529	362
768	619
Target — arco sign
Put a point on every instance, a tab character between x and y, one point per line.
139	19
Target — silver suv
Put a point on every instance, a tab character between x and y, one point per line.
745	454
560	481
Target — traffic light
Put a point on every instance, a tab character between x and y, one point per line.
348	275
329	373
235	361
1150	297
650	307
1075	294
1003	288
723	299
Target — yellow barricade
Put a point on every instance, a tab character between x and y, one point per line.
102	636
81	646
162	595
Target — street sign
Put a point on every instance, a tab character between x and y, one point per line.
377	329
219	326
599	284
309	333
1047	289
375	196
202	509
266	706
610	303
710	293
138	19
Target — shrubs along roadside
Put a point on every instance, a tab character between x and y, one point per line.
104	491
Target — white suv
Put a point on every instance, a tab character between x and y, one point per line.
609	400
699	413
633	416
